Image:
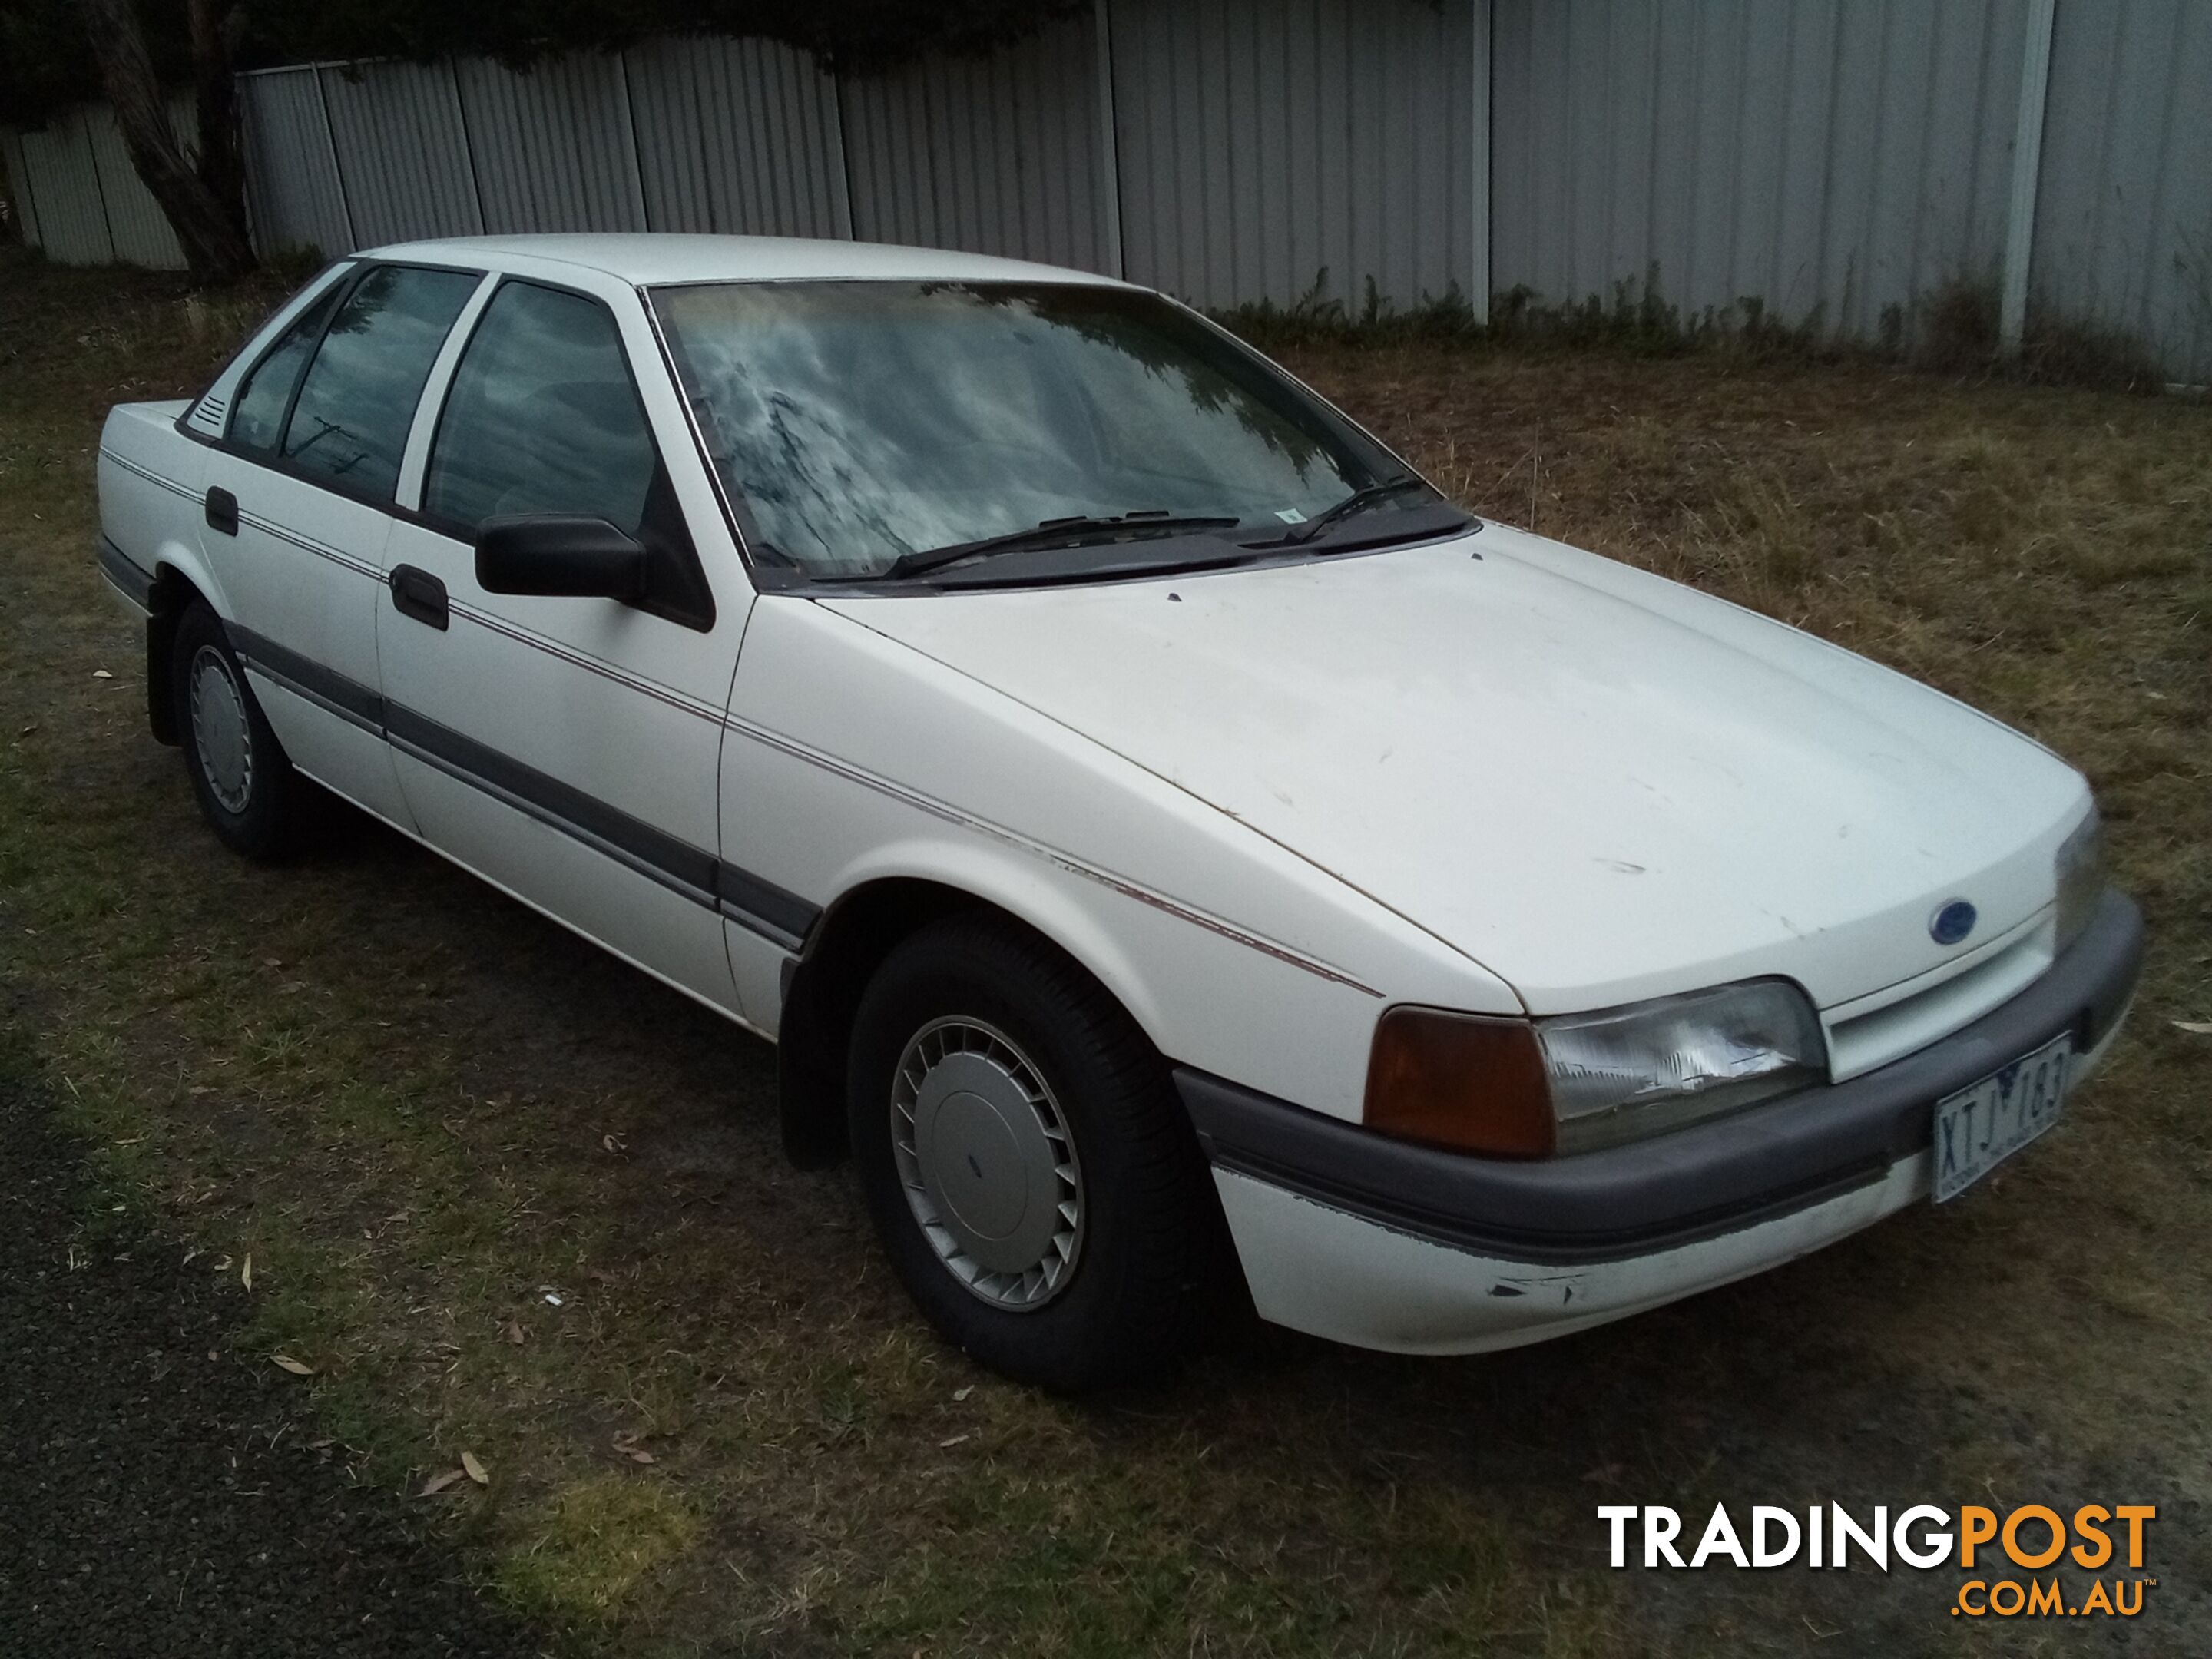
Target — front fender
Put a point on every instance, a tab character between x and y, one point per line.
853	759
1025	887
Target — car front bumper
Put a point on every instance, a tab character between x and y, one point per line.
1350	1234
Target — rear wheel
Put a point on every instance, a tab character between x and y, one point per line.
247	790
1031	1174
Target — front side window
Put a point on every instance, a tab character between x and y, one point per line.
349	423
541	418
865	421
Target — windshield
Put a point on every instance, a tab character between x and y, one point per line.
863	422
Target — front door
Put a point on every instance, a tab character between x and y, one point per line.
564	748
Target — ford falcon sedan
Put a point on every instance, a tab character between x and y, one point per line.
1181	856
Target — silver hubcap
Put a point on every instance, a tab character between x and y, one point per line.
220	736
987	1164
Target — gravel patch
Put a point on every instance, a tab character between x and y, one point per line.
157	1494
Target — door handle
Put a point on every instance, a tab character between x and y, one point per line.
222	510
419	594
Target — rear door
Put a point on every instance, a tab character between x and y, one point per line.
299	502
566	747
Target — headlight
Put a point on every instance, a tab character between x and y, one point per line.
2081	877
1658	1066
1513	1088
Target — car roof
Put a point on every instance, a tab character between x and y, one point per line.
650	258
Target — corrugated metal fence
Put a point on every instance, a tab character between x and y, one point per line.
1846	153
1837	158
79	195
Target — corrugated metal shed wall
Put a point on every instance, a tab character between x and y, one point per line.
2124	209
403	152
19	180
72	212
1263	141
993	155
291	168
1845	155
554	148
134	222
86	205
737	137
1834	157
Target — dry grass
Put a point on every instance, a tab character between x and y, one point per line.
418	1105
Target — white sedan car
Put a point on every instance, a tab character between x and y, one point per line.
1180	854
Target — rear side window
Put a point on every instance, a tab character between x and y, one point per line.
541	418
349	423
257	411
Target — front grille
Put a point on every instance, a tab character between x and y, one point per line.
1892	1022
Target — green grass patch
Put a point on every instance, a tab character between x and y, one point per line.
596	1542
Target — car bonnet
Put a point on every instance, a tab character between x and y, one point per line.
1600	784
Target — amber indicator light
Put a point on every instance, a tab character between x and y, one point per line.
1460	1081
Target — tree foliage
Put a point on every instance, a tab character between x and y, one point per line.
44	63
851	35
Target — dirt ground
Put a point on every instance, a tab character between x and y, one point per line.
162	1491
422	1108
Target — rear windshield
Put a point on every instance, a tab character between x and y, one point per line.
860	421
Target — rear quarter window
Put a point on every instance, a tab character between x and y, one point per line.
257	411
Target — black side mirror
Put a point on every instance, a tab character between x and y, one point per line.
559	554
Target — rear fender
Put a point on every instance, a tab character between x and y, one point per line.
150	479
180	576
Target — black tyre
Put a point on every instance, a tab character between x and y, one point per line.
1029	1167
245	782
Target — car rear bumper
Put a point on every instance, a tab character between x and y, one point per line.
1353	1236
133	588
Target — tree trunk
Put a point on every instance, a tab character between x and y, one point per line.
209	226
216	26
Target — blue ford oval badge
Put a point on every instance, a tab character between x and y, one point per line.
1952	923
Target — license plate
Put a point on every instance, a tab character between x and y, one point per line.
1986	1122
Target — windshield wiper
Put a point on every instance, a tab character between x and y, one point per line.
1359	501
1053	533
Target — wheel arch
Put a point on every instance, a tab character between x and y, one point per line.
823	985
178	579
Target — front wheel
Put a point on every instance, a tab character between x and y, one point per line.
247	790
1033	1177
